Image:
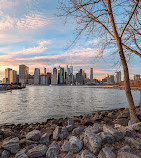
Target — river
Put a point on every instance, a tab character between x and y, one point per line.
39	103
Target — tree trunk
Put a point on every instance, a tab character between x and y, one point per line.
140	100
132	109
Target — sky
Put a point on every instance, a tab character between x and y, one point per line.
32	34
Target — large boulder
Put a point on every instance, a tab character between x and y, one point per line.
5	154
129	132
12	145
66	146
87	154
21	154
107	138
78	130
107	152
133	142
34	135
37	151
76	144
53	151
92	141
60	132
44	139
118	135
126	154
69	155
137	126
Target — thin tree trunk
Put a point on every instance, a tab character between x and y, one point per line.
132	109
140	100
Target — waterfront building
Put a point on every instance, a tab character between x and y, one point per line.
43	79
30	79
69	75
7	75
5	81
48	78
23	74
54	77
117	76
91	74
45	71
37	76
13	76
79	79
136	77
111	79
60	75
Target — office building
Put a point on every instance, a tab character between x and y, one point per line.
117	76
23	74
79	79
60	75
13	76
48	78
45	71
91	74
54	77
37	76
69	78
7	75
43	79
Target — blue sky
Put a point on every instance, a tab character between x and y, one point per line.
32	34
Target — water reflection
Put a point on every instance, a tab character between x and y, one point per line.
38	103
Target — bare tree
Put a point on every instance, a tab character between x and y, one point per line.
118	21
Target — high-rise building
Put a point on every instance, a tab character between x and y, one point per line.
48	78
23	74
37	76
45	71
91	74
13	76
43	79
54	77
69	78
7	75
79	79
60	75
117	76
136	77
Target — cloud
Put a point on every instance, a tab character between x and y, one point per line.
32	22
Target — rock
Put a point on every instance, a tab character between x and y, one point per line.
53	151
12	145
69	155
87	154
30	142
137	126
69	128
64	133
96	128
5	154
97	117
107	138
124	115
126	154
125	149
77	130
37	151
21	154
118	135
133	142
76	144
70	122
44	139
57	132
34	135
92	141
129	132
130	123
66	146
32	146
106	152
123	121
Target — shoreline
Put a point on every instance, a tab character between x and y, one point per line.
111	131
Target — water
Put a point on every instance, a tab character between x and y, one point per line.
38	103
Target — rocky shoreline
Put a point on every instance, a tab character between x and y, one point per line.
109	134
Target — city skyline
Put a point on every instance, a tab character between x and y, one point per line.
29	36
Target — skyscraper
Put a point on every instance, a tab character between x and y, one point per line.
13	76
60	75
45	71
23	74
117	76
91	74
7	74
37	76
54	77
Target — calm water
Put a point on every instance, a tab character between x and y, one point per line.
38	103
